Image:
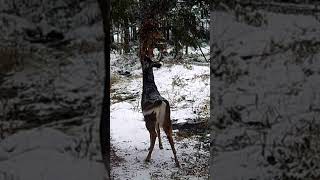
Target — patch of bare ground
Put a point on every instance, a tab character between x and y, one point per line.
114	158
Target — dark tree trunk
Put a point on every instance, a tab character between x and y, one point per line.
118	35
202	16
105	112
131	33
112	38
168	31
111	32
134	33
126	36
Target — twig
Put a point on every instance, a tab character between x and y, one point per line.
203	53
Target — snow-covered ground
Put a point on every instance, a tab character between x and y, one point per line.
45	153
187	89
51	98
265	90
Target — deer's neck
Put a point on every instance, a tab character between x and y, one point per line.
148	79
150	93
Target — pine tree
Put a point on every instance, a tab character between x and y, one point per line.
123	15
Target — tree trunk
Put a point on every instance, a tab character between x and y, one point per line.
202	16
105	112
118	35
126	36
134	33
112	30
168	32
111	35
131	33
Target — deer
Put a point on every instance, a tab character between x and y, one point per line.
155	109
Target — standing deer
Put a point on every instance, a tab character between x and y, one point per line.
155	109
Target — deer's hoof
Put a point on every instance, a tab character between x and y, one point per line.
147	160
161	147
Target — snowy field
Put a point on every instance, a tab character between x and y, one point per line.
187	89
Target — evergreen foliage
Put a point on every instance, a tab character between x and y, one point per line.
182	23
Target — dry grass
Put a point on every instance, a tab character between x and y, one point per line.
115	159
180	135
114	79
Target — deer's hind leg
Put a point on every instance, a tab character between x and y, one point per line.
151	124
168	131
167	127
159	137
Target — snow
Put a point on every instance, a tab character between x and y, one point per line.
131	139
181	86
44	153
127	125
197	51
187	90
57	87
